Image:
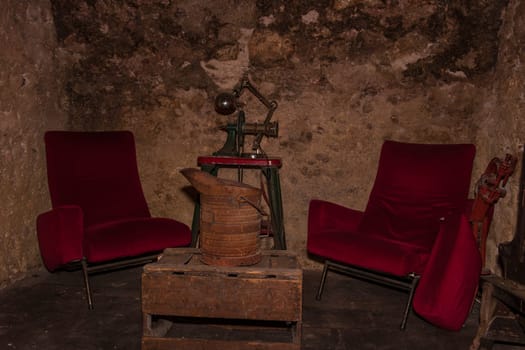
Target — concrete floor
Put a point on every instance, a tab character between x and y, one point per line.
48	311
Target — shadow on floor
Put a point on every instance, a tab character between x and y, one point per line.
49	311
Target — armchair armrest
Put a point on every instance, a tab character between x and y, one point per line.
60	233
449	282
323	215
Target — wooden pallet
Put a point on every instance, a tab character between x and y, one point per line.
501	314
187	304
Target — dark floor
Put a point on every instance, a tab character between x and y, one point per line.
48	311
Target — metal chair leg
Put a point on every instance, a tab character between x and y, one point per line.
323	280
86	284
408	306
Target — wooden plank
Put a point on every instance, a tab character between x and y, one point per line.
506	285
188	259
506	329
149	343
222	296
487	308
227	329
246	272
173	255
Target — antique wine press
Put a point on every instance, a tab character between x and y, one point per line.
232	155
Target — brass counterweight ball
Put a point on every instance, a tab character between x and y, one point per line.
225	103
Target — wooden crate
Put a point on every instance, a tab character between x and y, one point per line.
190	305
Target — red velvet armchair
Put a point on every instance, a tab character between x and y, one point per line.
414	233
99	217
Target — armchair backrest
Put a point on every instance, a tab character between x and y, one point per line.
415	186
96	171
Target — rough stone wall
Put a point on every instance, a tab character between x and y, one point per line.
29	97
347	74
503	124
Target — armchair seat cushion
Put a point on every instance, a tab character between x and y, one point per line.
369	251
132	237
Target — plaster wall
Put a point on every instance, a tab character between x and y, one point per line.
29	104
347	74
502	127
